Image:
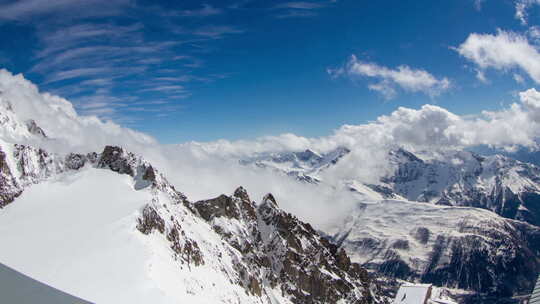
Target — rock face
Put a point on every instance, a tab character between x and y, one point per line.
33	128
463	248
9	188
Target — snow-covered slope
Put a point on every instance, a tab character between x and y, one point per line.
109	228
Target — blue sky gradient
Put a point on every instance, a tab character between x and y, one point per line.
242	69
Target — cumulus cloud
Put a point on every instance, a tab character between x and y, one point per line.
202	170
403	77
502	51
430	127
56	115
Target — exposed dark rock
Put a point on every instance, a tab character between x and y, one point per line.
150	220
35	129
75	161
218	207
186	248
422	235
115	159
150	174
401	244
9	188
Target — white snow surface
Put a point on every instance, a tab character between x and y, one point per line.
77	233
413	294
391	221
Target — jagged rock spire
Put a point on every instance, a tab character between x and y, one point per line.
242	194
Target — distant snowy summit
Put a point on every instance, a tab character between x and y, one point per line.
303	165
498	183
450	218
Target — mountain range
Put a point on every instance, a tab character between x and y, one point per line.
97	222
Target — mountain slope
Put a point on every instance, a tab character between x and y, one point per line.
114	223
503	185
456	247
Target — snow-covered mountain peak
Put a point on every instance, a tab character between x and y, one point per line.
304	166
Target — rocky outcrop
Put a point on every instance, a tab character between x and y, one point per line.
9	188
115	159
278	249
34	129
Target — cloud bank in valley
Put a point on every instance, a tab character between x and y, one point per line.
202	170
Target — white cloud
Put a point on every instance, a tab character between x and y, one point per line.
404	77
502	51
69	130
478	4
521	9
534	33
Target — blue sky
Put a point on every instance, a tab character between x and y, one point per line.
182	70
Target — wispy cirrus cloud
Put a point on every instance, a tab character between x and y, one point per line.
24	9
217	31
293	9
300	5
95	61
164	88
206	10
390	80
